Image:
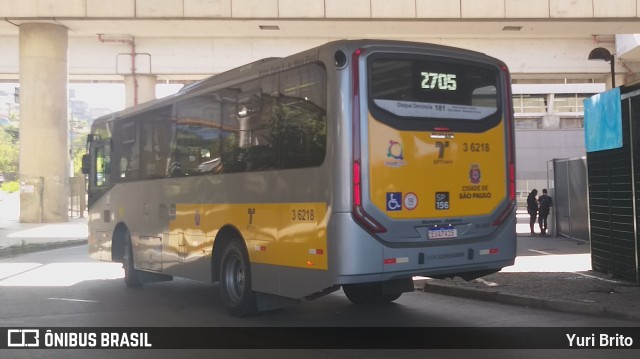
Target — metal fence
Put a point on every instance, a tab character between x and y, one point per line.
570	200
77	197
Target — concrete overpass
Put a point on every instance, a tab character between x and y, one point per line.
178	40
47	43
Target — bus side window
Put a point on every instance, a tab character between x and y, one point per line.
303	117
102	166
262	150
129	151
278	122
198	131
156	143
233	157
248	127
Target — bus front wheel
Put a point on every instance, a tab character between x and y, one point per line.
370	293
235	280
131	274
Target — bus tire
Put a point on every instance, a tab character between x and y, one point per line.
235	280
370	293
131	274
388	298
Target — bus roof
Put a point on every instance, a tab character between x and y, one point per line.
254	69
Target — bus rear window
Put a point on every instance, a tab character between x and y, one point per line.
419	88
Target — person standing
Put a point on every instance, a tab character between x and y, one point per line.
532	209
545	203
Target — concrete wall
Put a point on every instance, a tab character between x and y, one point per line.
534	148
205	56
452	9
191	39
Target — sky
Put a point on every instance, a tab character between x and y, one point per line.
99	95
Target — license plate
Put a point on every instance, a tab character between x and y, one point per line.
442	233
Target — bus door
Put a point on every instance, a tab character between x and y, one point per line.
97	165
151	225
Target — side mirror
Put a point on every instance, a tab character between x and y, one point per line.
86	164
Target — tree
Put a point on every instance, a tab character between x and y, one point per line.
8	150
77	150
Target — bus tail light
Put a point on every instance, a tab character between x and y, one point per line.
511	151
512	182
504	215
358	212
357	189
511	166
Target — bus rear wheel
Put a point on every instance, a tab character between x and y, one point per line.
235	280
131	274
370	293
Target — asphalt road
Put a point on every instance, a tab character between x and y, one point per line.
64	288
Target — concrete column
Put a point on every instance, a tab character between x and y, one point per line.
620	80
550	121
44	144
139	89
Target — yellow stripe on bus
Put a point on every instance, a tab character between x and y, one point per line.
283	234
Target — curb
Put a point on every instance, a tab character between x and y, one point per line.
527	301
15	250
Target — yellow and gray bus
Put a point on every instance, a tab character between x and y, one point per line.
357	164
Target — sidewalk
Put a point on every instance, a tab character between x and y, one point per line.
551	273
17	238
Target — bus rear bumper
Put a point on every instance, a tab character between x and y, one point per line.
370	260
465	272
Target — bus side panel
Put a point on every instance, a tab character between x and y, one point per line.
286	241
100	229
127	205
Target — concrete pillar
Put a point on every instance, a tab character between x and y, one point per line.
550	122
141	90
620	80
44	144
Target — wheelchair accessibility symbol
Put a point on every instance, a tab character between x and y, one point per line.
394	201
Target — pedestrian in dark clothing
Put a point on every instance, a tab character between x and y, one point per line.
532	209
545	202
